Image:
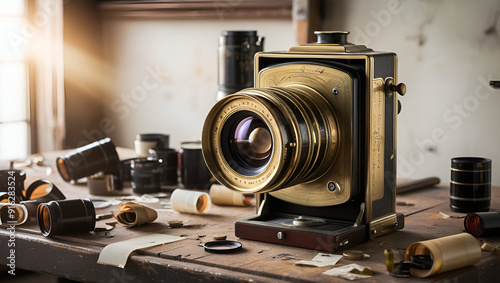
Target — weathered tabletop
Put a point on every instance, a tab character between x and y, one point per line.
75	256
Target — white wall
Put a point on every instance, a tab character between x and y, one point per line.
185	53
446	60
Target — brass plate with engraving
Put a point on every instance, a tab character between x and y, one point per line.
377	140
324	80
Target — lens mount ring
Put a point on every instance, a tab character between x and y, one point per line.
270	175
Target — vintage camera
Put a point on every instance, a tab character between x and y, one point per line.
316	140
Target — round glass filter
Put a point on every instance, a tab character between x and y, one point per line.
222	246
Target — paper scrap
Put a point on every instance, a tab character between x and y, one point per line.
321	260
117	253
350	272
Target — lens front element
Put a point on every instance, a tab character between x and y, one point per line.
253	141
247	143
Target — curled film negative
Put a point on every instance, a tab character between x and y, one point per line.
133	214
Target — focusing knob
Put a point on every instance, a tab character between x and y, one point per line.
391	87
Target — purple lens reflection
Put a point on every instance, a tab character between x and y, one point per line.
253	142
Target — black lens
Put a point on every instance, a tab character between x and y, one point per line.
168	166
99	156
249	143
60	217
482	224
146	176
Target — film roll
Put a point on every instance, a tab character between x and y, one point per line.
221	195
190	201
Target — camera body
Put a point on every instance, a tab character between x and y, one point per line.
316	140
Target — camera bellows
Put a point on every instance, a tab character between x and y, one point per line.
133	214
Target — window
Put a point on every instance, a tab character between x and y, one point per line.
14	93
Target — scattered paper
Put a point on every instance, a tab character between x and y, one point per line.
117	253
350	272
321	260
284	256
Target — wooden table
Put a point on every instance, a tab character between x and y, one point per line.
75	256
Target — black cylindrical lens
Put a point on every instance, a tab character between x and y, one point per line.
60	217
194	172
482	224
99	156
236	52
168	164
146	175
13	180
38	192
470	185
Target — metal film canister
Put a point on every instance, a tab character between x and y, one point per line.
470	185
236	54
61	217
99	156
483	224
446	253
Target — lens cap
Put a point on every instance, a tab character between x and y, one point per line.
222	246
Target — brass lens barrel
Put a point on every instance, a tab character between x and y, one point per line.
447	253
262	140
